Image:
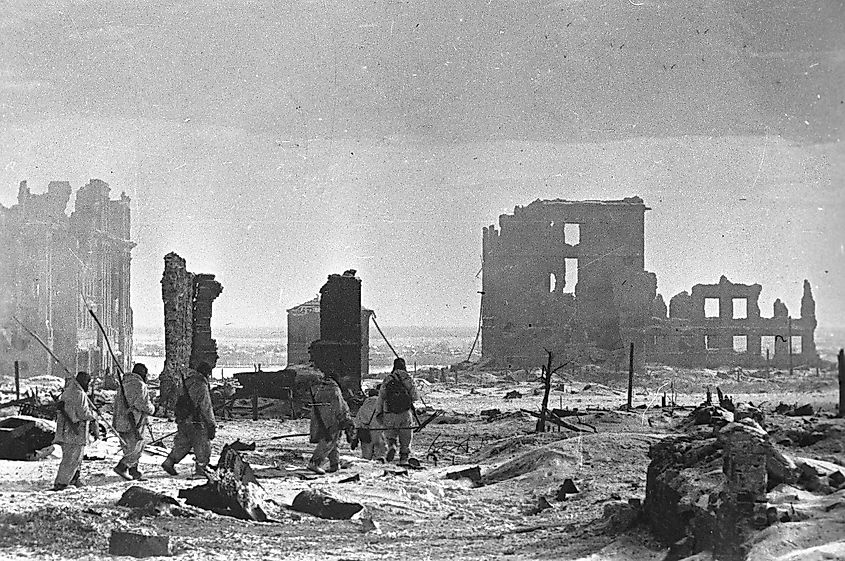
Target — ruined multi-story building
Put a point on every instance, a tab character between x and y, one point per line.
569	277
564	274
721	324
304	329
49	262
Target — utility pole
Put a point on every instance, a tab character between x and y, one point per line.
631	377
547	383
17	380
841	358
789	339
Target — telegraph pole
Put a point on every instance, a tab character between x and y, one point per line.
789	340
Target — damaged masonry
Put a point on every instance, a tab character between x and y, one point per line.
602	480
562	275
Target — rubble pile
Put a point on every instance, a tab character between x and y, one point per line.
707	490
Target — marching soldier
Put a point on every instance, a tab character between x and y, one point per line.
195	422
131	410
72	434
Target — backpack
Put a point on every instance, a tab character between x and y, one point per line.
396	396
184	408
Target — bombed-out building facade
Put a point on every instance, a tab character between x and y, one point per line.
49	262
569	277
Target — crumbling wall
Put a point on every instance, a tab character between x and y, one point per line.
734	331
560	274
177	291
338	351
203	346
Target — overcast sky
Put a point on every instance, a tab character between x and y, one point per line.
273	143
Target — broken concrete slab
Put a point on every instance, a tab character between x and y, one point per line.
136	544
323	505
471	473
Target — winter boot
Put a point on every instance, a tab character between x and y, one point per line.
122	470
391	454
313	466
167	466
59	487
403	460
76	480
136	474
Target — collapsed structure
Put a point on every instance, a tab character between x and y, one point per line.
339	348
562	274
569	277
49	262
187	324
304	329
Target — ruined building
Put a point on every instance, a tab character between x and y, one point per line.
569	277
721	324
304	329
187	324
340	348
562	275
49	261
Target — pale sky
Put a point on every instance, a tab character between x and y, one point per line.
273	143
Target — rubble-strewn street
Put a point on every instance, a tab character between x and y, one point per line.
523	508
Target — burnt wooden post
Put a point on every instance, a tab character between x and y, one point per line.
841	358
255	402
17	380
631	377
547	383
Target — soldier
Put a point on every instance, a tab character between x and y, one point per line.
74	412
395	410
131	407
329	416
368	429
194	422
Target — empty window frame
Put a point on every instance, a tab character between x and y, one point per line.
796	345
711	307
709	343
572	234
571	275
552	282
767	343
740	343
740	308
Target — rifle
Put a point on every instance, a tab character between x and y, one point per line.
119	374
70	375
320	423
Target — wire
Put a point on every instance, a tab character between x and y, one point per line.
373	315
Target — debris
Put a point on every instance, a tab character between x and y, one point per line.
150	503
21	437
568	487
231	490
323	505
370	525
805	410
620	516
243	446
472	473
542	504
139	545
395	472
836	479
352	479
513	394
